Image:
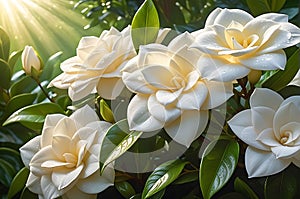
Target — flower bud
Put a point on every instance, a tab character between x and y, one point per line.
31	62
254	76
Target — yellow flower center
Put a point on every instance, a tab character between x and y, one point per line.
285	137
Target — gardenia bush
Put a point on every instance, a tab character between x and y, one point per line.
210	111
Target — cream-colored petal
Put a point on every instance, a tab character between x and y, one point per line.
97	183
48	128
226	16
262	118
166	97
292	99
162	33
110	88
86	134
84	116
65	127
91	165
285	152
262	163
184	39
293	128
28	150
82	88
48	188
55	163
218	93
139	117
277	40
268	138
278	17
220	69
136	83
34	184
269	61
296	80
64	177
76	193
57	82
188	127
161	112
212	17
61	144
193	99
238	53
261	97
296	159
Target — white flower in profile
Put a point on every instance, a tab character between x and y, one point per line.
97	65
30	61
64	159
171	93
236	43
271	128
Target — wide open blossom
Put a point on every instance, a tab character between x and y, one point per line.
271	128
97	65
236	43
64	159
171	93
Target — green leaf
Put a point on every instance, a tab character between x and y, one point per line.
117	141
26	194
276	5
187	177
7	172
281	78
145	24
24	85
33	116
217	165
5	74
125	189
283	185
12	157
18	183
19	101
4	45
52	67
241	187
263	6
232	195
162	176
106	112
289	91
13	58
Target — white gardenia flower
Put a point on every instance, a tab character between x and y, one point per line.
64	159
97	65
271	128
30	60
235	43
170	90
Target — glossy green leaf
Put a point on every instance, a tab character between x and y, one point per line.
23	85
281	78
13	58
5	74
7	172
217	165
162	176
19	101
18	183
125	189
187	177
26	194
4	45
289	91
283	185
241	187
106	112
276	5
33	116
12	157
263	6
117	141
52	67
145	24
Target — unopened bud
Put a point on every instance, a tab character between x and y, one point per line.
30	62
254	76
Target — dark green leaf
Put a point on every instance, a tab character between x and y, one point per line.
33	116
23	85
258	7
12	157
52	67
281	78
282	185
241	187
106	112
232	195
7	172
19	101
117	141
276	5
18	183
5	74
13	58
26	194
187	177
289	91
162	176
125	189
4	45
217	165
145	24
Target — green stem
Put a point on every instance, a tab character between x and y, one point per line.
43	90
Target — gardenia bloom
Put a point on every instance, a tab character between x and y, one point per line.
170	90
30	60
271	128
64	159
236	43
97	65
